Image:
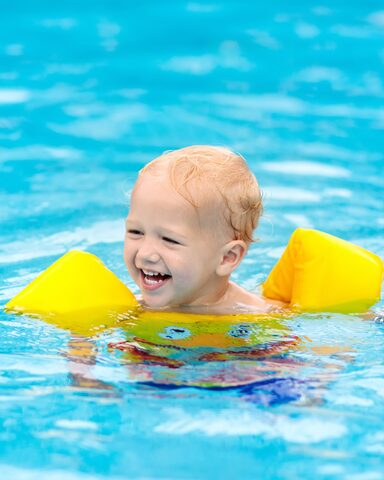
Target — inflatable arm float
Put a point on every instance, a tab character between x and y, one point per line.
316	273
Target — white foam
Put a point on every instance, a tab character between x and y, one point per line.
14	324
76	424
299	220
86	439
233	422
39	152
326	150
31	254
67	68
306	168
115	123
195	65
62	23
6	293
108	32
283	104
275	252
366	475
291	194
376	18
111	374
322	11
229	56
22	278
352	400
35	365
108	29
337	192
369	85
264	39
306	30
271	103
348	111
131	93
81	238
376	384
377	448
351	31
330	469
10	471
13	95
60	93
319	73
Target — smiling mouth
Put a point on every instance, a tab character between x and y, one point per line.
153	280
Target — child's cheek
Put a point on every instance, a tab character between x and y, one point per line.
186	276
129	258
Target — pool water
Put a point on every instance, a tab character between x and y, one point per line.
89	92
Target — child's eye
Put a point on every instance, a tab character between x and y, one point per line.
134	232
170	240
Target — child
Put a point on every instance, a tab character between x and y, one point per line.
191	220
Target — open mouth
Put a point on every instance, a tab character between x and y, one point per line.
153	280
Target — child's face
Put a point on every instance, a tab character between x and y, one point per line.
171	249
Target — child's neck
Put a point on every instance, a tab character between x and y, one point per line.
212	299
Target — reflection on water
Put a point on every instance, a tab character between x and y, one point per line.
257	358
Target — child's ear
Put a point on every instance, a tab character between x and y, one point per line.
232	255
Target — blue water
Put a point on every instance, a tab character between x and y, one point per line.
89	92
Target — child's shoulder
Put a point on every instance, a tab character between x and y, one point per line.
243	301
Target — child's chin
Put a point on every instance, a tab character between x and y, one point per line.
151	302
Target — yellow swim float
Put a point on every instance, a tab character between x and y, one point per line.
317	272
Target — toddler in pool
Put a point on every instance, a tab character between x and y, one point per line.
191	220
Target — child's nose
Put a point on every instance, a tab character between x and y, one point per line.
148	252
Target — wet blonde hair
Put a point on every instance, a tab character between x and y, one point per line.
196	171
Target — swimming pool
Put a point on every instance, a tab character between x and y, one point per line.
88	94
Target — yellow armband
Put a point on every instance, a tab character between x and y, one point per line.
76	281
319	272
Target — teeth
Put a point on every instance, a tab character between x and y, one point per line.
152	282
151	274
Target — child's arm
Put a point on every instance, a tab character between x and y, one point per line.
81	356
